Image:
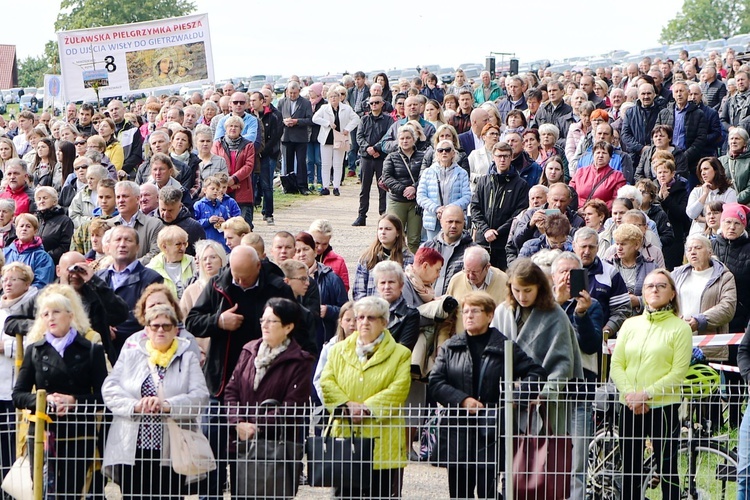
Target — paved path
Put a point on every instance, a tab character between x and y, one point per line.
421	481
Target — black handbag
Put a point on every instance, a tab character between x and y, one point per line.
342	462
269	465
289	183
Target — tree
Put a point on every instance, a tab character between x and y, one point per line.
31	71
708	19
81	14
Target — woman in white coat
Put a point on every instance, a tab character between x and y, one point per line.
156	376
334	117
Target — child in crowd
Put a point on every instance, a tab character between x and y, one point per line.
216	207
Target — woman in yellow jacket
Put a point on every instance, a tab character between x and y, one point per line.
175	266
649	364
114	151
368	376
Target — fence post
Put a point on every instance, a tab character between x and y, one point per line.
41	422
19	413
508	402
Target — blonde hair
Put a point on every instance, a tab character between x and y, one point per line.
27	274
628	232
65	297
170	234
238	225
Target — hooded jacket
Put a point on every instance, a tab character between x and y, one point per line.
738	169
56	231
34	256
696	129
735	255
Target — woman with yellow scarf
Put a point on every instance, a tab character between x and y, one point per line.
156	377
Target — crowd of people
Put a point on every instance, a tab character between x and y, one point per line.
132	269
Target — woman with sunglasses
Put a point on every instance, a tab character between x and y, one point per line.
443	184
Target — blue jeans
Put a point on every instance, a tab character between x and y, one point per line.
313	162
582	429
267	170
743	459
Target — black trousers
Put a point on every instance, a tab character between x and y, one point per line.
384	483
297	151
663	426
148	479
69	459
7	435
462	479
370	168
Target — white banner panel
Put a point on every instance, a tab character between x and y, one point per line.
137	57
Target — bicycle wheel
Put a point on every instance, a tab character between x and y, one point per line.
715	473
604	466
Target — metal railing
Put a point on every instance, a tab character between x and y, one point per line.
580	442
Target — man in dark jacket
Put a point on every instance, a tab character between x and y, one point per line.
713	88
587	85
531	225
555	111
129	136
451	242
273	128
159	142
715	133
639	122
173	212
296	115
515	98
689	124
128	278
498	198
370	133
737	107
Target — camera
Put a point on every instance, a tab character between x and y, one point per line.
75	268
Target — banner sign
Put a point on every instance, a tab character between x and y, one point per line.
135	58
53	92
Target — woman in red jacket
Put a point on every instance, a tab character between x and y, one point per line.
598	180
239	154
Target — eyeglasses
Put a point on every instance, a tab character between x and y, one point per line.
165	327
502	157
656	286
12	280
263	321
444	150
375	102
299	278
239	102
79	143
80	167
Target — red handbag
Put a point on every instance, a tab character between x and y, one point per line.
542	463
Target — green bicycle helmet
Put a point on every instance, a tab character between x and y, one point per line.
701	381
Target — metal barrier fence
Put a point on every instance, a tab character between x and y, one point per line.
579	442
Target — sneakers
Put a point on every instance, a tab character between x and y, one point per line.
269	220
336	192
361	221
324	192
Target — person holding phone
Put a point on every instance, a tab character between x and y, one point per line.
586	315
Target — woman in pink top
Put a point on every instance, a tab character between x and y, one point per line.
598	180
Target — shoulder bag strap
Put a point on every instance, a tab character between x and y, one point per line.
408	169
596	186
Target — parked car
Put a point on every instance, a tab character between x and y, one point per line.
446	75
280	85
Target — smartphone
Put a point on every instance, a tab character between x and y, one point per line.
579	281
550	211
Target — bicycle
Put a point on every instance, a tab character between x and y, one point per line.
705	461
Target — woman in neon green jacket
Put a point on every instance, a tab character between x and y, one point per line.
368	375
649	364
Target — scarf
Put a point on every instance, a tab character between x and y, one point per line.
6	228
61	343
22	247
158	358
425	291
184	157
365	351
266	356
668	307
233	144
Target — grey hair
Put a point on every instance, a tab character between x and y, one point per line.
209	104
292	85
585	107
157	133
585	233
407	128
18	162
630	192
234	119
97	170
97	156
50	191
740	132
8	204
170	195
161	310
135	189
321	226
481	253
388	267
566	256
375	304
548	128
544	259
701	238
